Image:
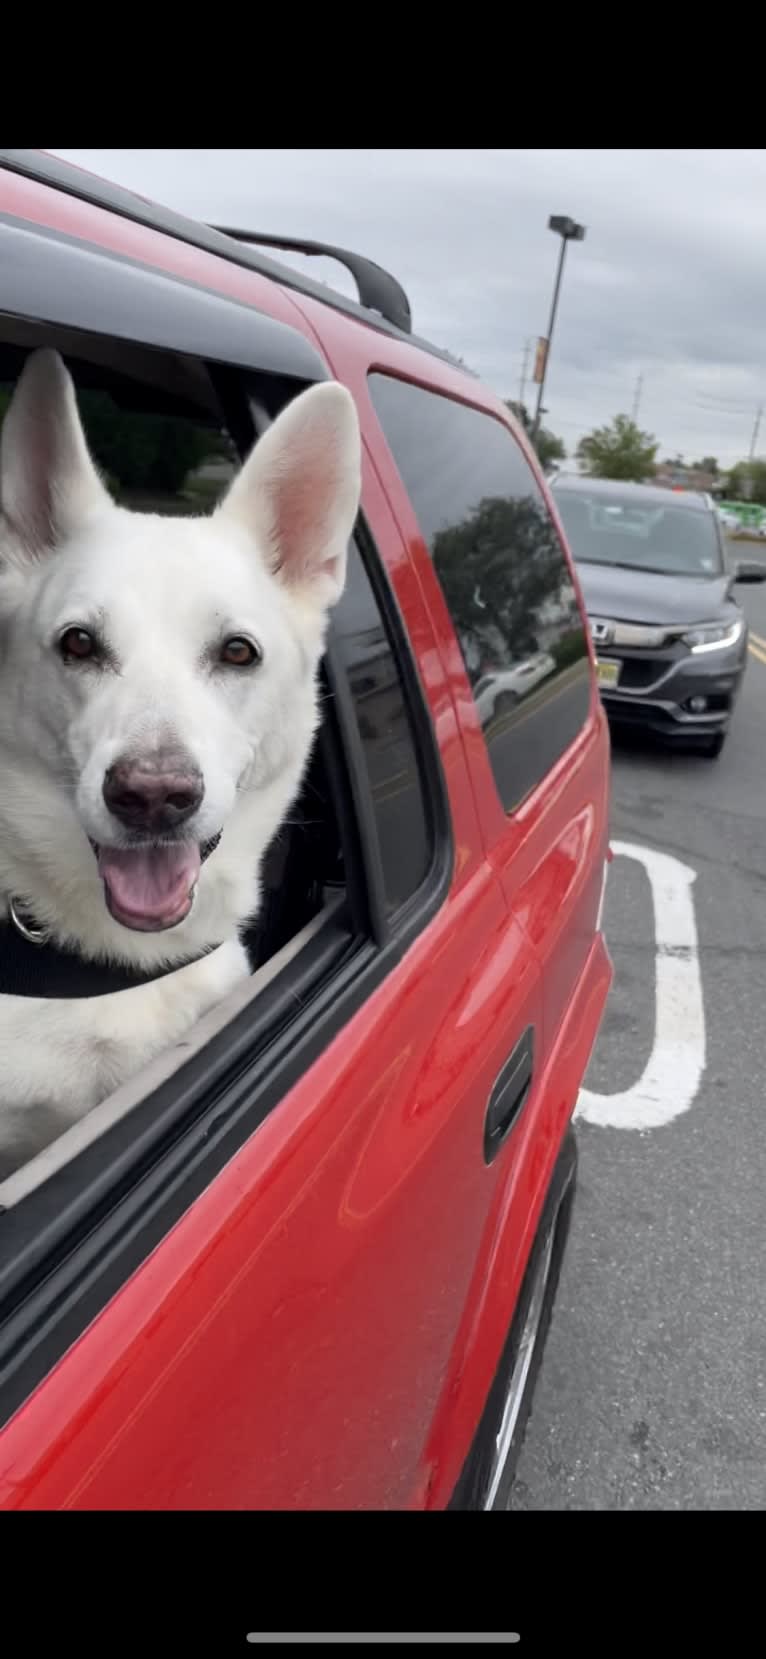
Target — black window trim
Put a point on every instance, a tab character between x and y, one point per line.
69	1246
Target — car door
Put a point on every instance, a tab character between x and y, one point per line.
464	494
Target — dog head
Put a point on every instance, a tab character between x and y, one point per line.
163	671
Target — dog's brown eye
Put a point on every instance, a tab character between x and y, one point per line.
239	652
77	644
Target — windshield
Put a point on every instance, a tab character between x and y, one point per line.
619	530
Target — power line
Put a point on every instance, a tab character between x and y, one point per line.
716	409
672	402
707	403
699	418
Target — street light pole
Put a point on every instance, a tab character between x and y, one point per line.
569	231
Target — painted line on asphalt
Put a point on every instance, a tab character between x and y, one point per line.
756	652
671	1078
758	640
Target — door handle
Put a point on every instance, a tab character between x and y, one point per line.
509	1095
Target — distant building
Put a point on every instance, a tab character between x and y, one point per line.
670	476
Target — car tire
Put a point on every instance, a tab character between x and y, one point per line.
490	1468
506	703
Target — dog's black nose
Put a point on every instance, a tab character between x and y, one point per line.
156	793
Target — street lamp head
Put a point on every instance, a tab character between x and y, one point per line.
568	228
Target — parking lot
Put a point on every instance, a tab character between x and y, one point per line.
652	1393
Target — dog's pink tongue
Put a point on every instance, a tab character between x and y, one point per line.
149	887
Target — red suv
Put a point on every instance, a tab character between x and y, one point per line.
307	1259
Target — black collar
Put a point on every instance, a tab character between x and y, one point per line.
48	970
41	968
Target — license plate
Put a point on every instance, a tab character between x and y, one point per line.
608	673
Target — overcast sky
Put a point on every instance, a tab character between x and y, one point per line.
669	284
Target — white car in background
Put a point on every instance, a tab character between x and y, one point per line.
498	692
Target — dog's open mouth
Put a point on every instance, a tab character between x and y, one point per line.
149	888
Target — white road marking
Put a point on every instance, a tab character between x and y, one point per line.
674	1070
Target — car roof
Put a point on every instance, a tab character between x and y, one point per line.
653	493
382	305
163	267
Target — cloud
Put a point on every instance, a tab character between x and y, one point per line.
669	283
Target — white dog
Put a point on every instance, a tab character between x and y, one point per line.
158	704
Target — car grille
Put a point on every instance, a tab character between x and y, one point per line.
642	635
641	671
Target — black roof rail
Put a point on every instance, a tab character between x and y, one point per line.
378	290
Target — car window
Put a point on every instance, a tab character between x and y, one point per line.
158	454
615	529
153	460
171	462
503	573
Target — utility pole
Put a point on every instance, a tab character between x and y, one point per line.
754	439
637	399
523	381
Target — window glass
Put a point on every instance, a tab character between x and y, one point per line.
503	574
157	463
152	457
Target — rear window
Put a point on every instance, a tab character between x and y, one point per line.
503	573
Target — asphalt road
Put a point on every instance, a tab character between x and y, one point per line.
652	1393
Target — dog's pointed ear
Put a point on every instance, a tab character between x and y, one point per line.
298	492
48	483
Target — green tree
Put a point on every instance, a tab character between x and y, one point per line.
139	451
548	447
752	473
707	464
520	412
145	451
620	450
501	568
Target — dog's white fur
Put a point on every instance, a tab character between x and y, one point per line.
268	563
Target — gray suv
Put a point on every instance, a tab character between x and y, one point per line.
669	635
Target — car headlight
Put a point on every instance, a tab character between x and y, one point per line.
713	636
